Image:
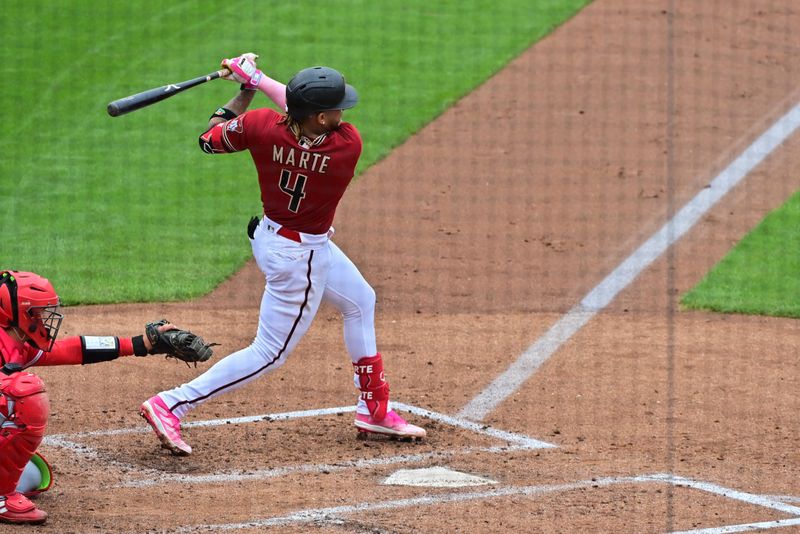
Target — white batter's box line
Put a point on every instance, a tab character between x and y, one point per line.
90	453
206	423
761	500
745	527
478	428
335	514
57	440
517	442
263	474
784	498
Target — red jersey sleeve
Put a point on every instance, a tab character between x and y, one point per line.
239	133
82	350
66	351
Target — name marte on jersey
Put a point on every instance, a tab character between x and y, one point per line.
305	160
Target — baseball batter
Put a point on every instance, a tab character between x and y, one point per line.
305	160
29	322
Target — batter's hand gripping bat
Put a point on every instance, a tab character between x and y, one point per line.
151	96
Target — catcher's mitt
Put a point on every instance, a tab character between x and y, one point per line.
180	344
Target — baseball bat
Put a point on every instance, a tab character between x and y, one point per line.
151	96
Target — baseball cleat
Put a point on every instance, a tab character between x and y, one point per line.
166	426
392	425
16	508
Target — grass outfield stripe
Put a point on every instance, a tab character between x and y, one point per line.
752	278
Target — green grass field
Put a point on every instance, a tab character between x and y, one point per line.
129	209
761	275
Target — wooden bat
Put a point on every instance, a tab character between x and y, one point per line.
151	96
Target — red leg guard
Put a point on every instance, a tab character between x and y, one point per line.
374	388
24	408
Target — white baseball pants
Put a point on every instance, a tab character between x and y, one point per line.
299	276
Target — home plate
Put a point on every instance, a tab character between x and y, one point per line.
435	477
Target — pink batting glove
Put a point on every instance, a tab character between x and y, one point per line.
244	70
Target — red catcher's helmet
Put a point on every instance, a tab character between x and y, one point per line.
29	302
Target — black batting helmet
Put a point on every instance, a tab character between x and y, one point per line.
318	89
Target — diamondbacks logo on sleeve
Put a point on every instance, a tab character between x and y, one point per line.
235	126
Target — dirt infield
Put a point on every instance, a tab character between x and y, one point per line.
479	234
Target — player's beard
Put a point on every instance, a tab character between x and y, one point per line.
333	127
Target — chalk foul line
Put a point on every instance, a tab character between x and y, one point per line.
598	298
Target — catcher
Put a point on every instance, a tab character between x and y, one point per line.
29	323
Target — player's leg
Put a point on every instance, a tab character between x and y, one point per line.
295	280
24	409
354	298
286	312
349	292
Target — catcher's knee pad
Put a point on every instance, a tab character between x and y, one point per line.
368	377
26	402
24	409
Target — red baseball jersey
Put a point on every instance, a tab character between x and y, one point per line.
301	182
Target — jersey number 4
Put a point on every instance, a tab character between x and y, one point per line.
297	193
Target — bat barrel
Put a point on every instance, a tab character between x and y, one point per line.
115	108
146	98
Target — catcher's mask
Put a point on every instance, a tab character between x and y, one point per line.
29	302
318	89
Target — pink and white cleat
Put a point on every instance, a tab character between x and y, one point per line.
166	426
392	425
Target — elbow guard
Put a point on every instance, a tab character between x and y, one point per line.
222	137
205	142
